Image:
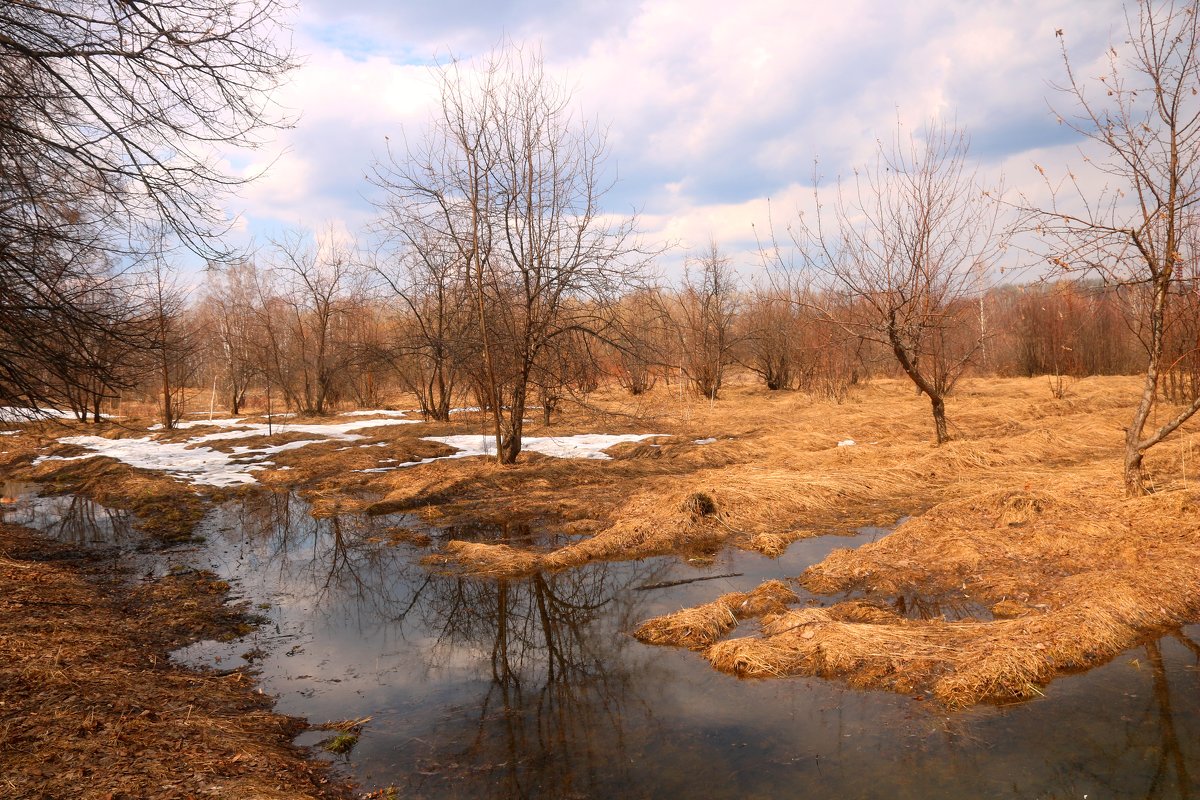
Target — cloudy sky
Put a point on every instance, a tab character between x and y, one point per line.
712	108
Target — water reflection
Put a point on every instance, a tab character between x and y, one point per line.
533	688
947	607
71	519
536	667
1171	756
551	717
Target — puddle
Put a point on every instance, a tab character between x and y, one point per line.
534	687
69	519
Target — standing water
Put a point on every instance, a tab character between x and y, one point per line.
534	687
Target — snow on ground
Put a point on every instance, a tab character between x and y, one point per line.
17	414
198	465
192	461
584	445
376	413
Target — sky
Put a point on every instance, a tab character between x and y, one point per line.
718	114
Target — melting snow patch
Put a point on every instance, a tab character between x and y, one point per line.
846	443
375	413
704	441
191	461
17	414
584	445
199	465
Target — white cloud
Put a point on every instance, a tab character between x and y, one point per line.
711	107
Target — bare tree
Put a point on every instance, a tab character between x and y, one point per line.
434	336
320	288
172	342
908	244
642	340
771	329
704	309
1142	117
110	116
512	182
231	331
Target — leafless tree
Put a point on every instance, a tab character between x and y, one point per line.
641	340
110	116
319	288
1142	119
908	243
704	309
233	337
434	337
511	181
770	330
172	341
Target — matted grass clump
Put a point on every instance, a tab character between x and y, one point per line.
701	626
1074	572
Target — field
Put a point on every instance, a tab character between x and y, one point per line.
1016	558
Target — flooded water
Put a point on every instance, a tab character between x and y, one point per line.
534	687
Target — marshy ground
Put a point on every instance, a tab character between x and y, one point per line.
1018	558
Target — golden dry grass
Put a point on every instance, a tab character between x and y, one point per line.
1021	513
701	626
1026	518
776	473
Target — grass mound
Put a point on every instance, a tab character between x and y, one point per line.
1078	573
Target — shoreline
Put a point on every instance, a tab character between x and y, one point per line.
92	706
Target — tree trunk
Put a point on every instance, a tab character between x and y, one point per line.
939	418
1135	476
168	420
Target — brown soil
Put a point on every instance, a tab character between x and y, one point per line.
91	707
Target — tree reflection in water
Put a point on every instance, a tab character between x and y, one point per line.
324	562
551	720
553	681
1171	756
531	688
72	519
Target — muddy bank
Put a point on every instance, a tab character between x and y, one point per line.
90	705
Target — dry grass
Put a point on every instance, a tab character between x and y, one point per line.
1021	513
776	473
92	707
1073	572
699	627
